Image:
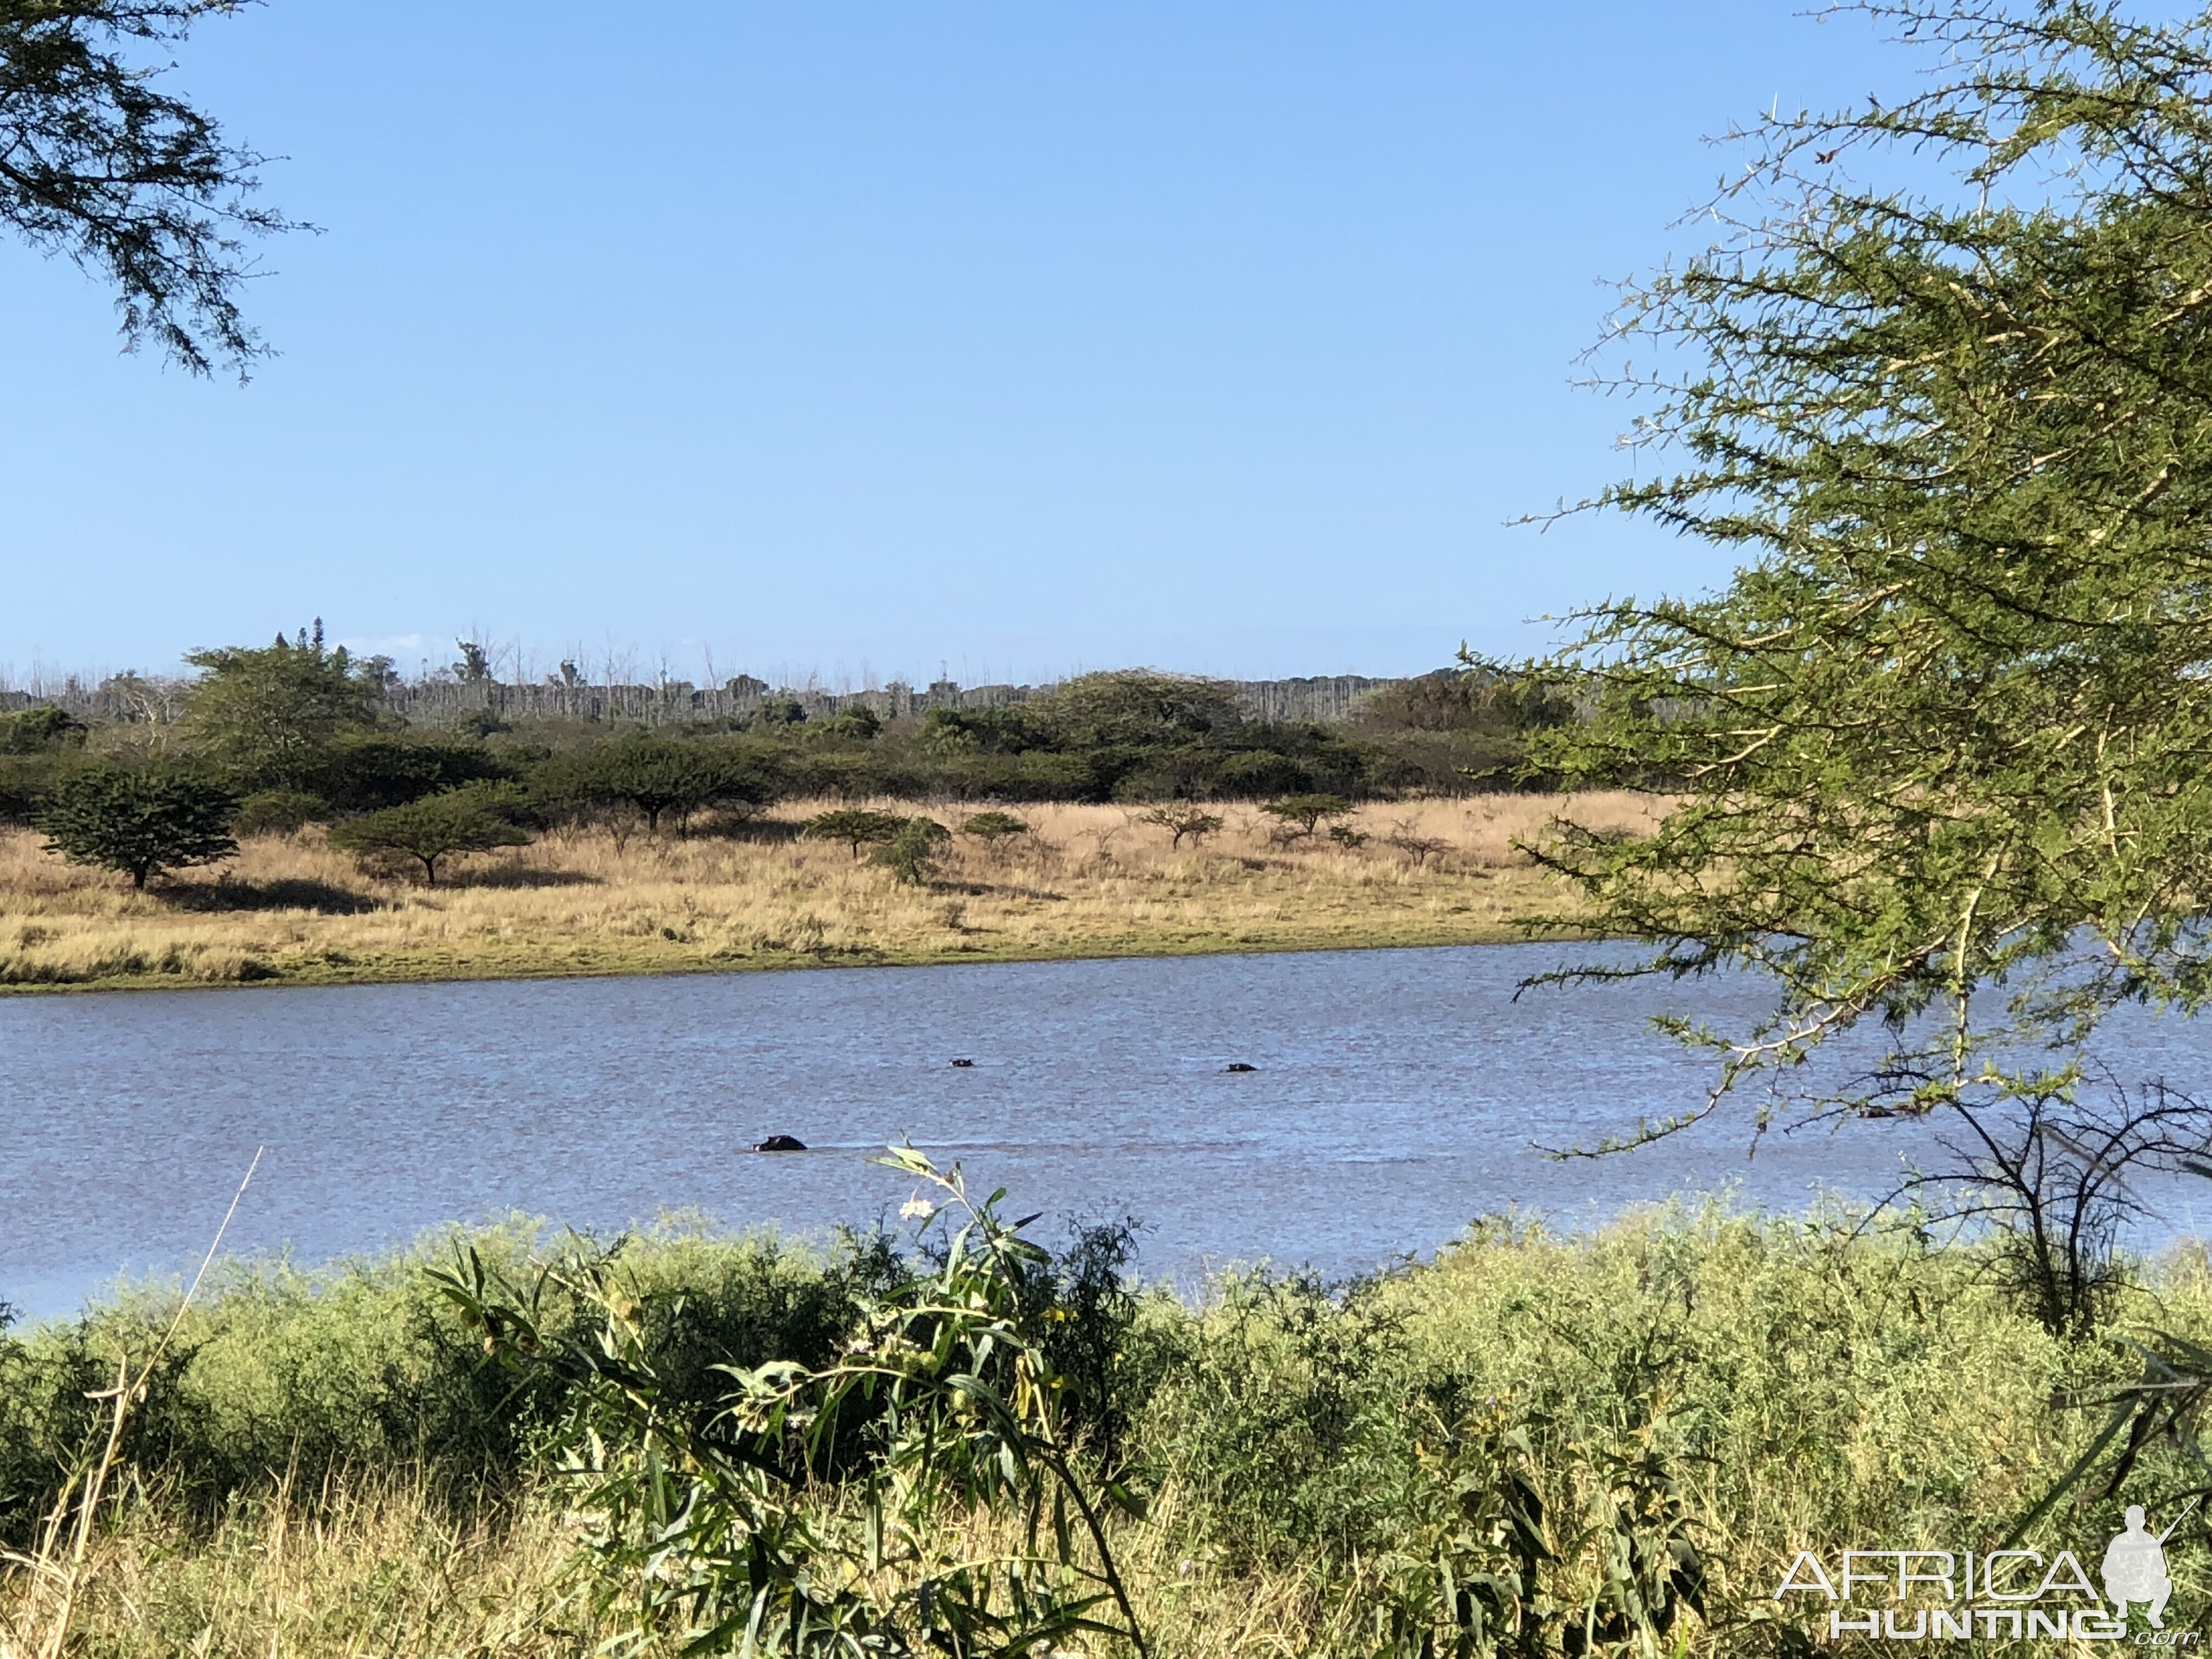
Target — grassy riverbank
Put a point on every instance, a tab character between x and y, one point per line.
327	1465
1086	881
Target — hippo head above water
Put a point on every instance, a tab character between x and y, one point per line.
779	1144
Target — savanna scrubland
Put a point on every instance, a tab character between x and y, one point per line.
1079	880
274	817
1937	391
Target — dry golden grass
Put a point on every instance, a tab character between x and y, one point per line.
1089	881
374	1567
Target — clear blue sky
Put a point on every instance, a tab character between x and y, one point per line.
855	338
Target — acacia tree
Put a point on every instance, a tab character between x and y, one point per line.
133	185
994	827
656	776
856	826
138	824
1181	818
1936	752
473	818
1299	815
911	854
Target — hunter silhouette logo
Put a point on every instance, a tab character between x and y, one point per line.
2019	1593
2135	1567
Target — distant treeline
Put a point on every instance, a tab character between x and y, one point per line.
296	733
471	684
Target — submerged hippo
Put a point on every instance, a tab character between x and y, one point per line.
779	1144
1240	1065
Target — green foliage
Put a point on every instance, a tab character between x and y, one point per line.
1136	707
127	180
481	723
39	730
25	782
656	776
1347	837
911	853
473	818
1136	735
1608	1444
365	1365
1496	700
139	824
1006	731
268	717
278	812
856	826
942	1403
1180	819
296	718
1299	814
992	827
363	771
1942	389
1463	728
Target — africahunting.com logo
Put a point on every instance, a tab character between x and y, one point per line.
1947	1595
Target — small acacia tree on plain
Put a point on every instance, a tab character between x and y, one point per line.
994	828
1418	848
138	824
856	826
911	854
1179	819
469	819
1299	815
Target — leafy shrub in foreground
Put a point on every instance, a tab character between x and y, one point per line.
363	1365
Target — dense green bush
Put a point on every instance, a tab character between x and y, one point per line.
140	823
368	771
1688	1396
278	812
293	721
655	776
911	853
40	732
26	780
363	1364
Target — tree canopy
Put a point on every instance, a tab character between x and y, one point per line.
140	823
856	826
269	717
1944	385
134	185
473	818
656	776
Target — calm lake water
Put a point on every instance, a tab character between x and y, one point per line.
1397	1098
